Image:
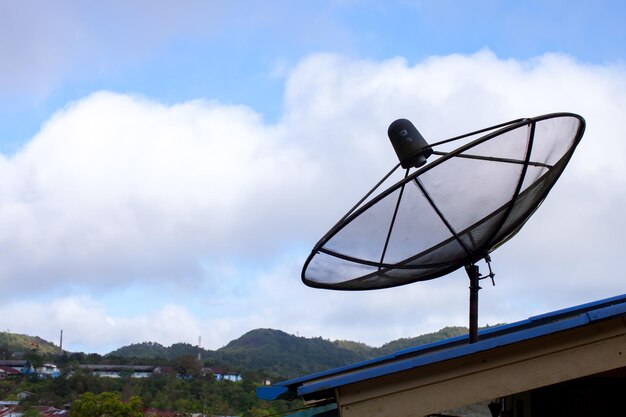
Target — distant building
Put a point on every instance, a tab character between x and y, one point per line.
8	372
14	367
222	375
118	371
154	412
45	411
14	410
23	366
49	370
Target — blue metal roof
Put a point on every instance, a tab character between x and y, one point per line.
455	347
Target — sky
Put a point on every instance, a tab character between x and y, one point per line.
166	170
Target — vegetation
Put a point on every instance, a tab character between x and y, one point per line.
106	404
445	333
282	355
274	353
357	347
152	350
278	354
12	342
122	397
259	355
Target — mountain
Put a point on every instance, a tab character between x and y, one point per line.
357	347
405	343
13	342
272	351
144	350
282	355
153	350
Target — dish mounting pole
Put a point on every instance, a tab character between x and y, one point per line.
474	277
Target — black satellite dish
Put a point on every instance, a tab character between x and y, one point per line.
448	213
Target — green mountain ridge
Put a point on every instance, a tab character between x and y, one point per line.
14	342
280	354
405	343
272	352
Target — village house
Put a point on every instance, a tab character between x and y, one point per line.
144	371
222	375
49	370
119	371
13	368
14	410
8	372
22	366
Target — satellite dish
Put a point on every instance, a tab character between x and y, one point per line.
449	213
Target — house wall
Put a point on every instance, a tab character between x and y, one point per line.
494	373
107	374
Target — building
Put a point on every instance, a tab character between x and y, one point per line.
23	366
222	375
8	372
119	371
48	370
570	362
14	410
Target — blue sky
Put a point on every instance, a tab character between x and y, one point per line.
236	52
166	170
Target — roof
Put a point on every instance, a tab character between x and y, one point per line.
134	368
320	384
44	411
14	362
154	412
219	371
9	370
47	411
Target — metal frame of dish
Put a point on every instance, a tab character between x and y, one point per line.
505	228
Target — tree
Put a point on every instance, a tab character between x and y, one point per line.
5	352
256	412
30	412
35	359
187	366
107	404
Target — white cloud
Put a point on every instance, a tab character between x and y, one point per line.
118	188
88	327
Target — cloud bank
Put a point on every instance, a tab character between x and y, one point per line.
213	202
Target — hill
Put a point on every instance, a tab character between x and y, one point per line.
153	350
278	353
405	343
357	347
13	342
282	355
273	352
